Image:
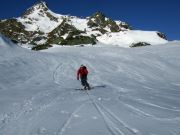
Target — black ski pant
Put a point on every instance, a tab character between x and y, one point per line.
84	81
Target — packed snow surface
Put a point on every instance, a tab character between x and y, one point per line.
136	90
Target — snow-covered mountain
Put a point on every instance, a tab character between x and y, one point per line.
41	26
40	18
136	90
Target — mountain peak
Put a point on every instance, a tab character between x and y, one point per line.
40	5
99	14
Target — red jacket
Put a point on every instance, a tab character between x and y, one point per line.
82	71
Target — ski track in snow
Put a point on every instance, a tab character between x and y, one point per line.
145	114
144	102
157	106
68	121
28	108
110	125
62	72
112	121
142	113
31	109
55	74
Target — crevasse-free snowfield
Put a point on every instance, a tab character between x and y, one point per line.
141	97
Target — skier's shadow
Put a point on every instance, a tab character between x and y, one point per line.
98	86
93	87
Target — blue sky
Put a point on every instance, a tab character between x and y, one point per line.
160	15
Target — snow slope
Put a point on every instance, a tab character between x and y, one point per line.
141	94
126	38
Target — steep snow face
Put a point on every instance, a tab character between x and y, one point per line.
136	91
126	38
80	24
40	18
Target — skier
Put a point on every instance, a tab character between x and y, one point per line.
82	73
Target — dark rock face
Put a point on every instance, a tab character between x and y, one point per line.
162	35
14	30
140	44
41	47
76	40
100	22
73	35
